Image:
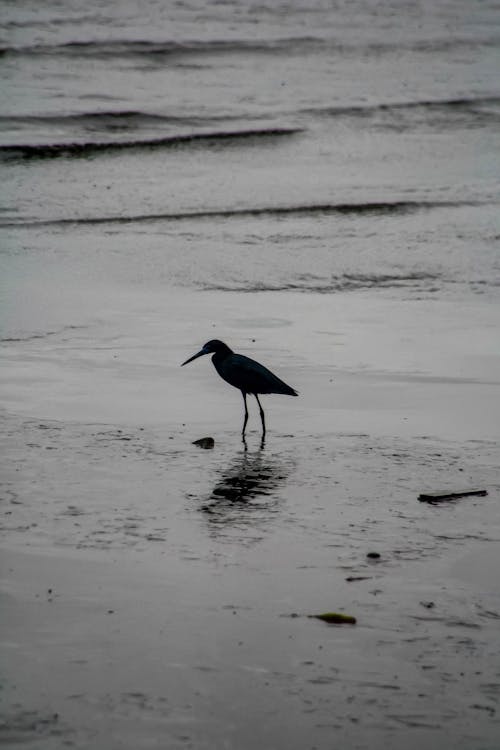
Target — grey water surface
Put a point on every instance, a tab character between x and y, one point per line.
323	147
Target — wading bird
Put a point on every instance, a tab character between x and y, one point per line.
243	373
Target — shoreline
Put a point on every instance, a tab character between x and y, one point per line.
157	583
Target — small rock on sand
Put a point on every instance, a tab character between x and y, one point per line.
205	442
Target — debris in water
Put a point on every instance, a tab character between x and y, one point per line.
373	555
428	605
441	497
205	442
335	618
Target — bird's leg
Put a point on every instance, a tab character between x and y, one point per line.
246	414
261	416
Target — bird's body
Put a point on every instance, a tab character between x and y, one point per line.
249	376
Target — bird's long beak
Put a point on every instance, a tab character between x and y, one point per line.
195	356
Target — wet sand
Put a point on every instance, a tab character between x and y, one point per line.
156	595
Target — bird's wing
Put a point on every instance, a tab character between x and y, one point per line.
250	376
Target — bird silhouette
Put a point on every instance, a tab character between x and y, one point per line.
249	376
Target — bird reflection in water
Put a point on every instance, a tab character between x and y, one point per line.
245	493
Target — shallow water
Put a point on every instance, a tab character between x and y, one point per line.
326	148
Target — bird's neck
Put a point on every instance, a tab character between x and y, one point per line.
221	354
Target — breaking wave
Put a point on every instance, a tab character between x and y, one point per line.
89	148
370	208
339	283
168	48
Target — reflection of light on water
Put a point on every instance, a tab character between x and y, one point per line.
244	495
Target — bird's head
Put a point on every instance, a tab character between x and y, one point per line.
211	347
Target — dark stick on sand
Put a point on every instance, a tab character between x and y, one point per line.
441	497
